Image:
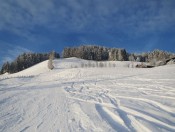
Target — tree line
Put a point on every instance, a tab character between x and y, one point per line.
100	53
88	52
26	60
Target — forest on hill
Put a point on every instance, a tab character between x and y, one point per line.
100	53
25	61
87	52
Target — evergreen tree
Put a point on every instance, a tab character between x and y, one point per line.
26	60
5	68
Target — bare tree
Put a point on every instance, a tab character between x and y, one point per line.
50	62
101	64
96	64
89	64
82	65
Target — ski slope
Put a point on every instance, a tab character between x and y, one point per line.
95	99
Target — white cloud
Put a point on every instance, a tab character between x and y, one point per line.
17	50
21	16
7	58
13	52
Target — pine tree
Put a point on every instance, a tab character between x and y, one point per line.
5	67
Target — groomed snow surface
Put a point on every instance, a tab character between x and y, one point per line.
95	99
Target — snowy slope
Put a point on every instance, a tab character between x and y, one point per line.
88	99
34	70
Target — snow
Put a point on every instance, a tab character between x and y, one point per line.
88	99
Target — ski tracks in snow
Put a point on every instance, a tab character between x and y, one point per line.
111	100
84	99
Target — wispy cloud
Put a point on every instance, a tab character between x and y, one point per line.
12	52
128	16
16	51
44	22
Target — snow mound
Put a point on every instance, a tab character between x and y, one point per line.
31	71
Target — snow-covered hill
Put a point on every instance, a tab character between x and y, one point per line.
109	98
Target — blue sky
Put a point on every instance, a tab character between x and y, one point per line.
45	25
